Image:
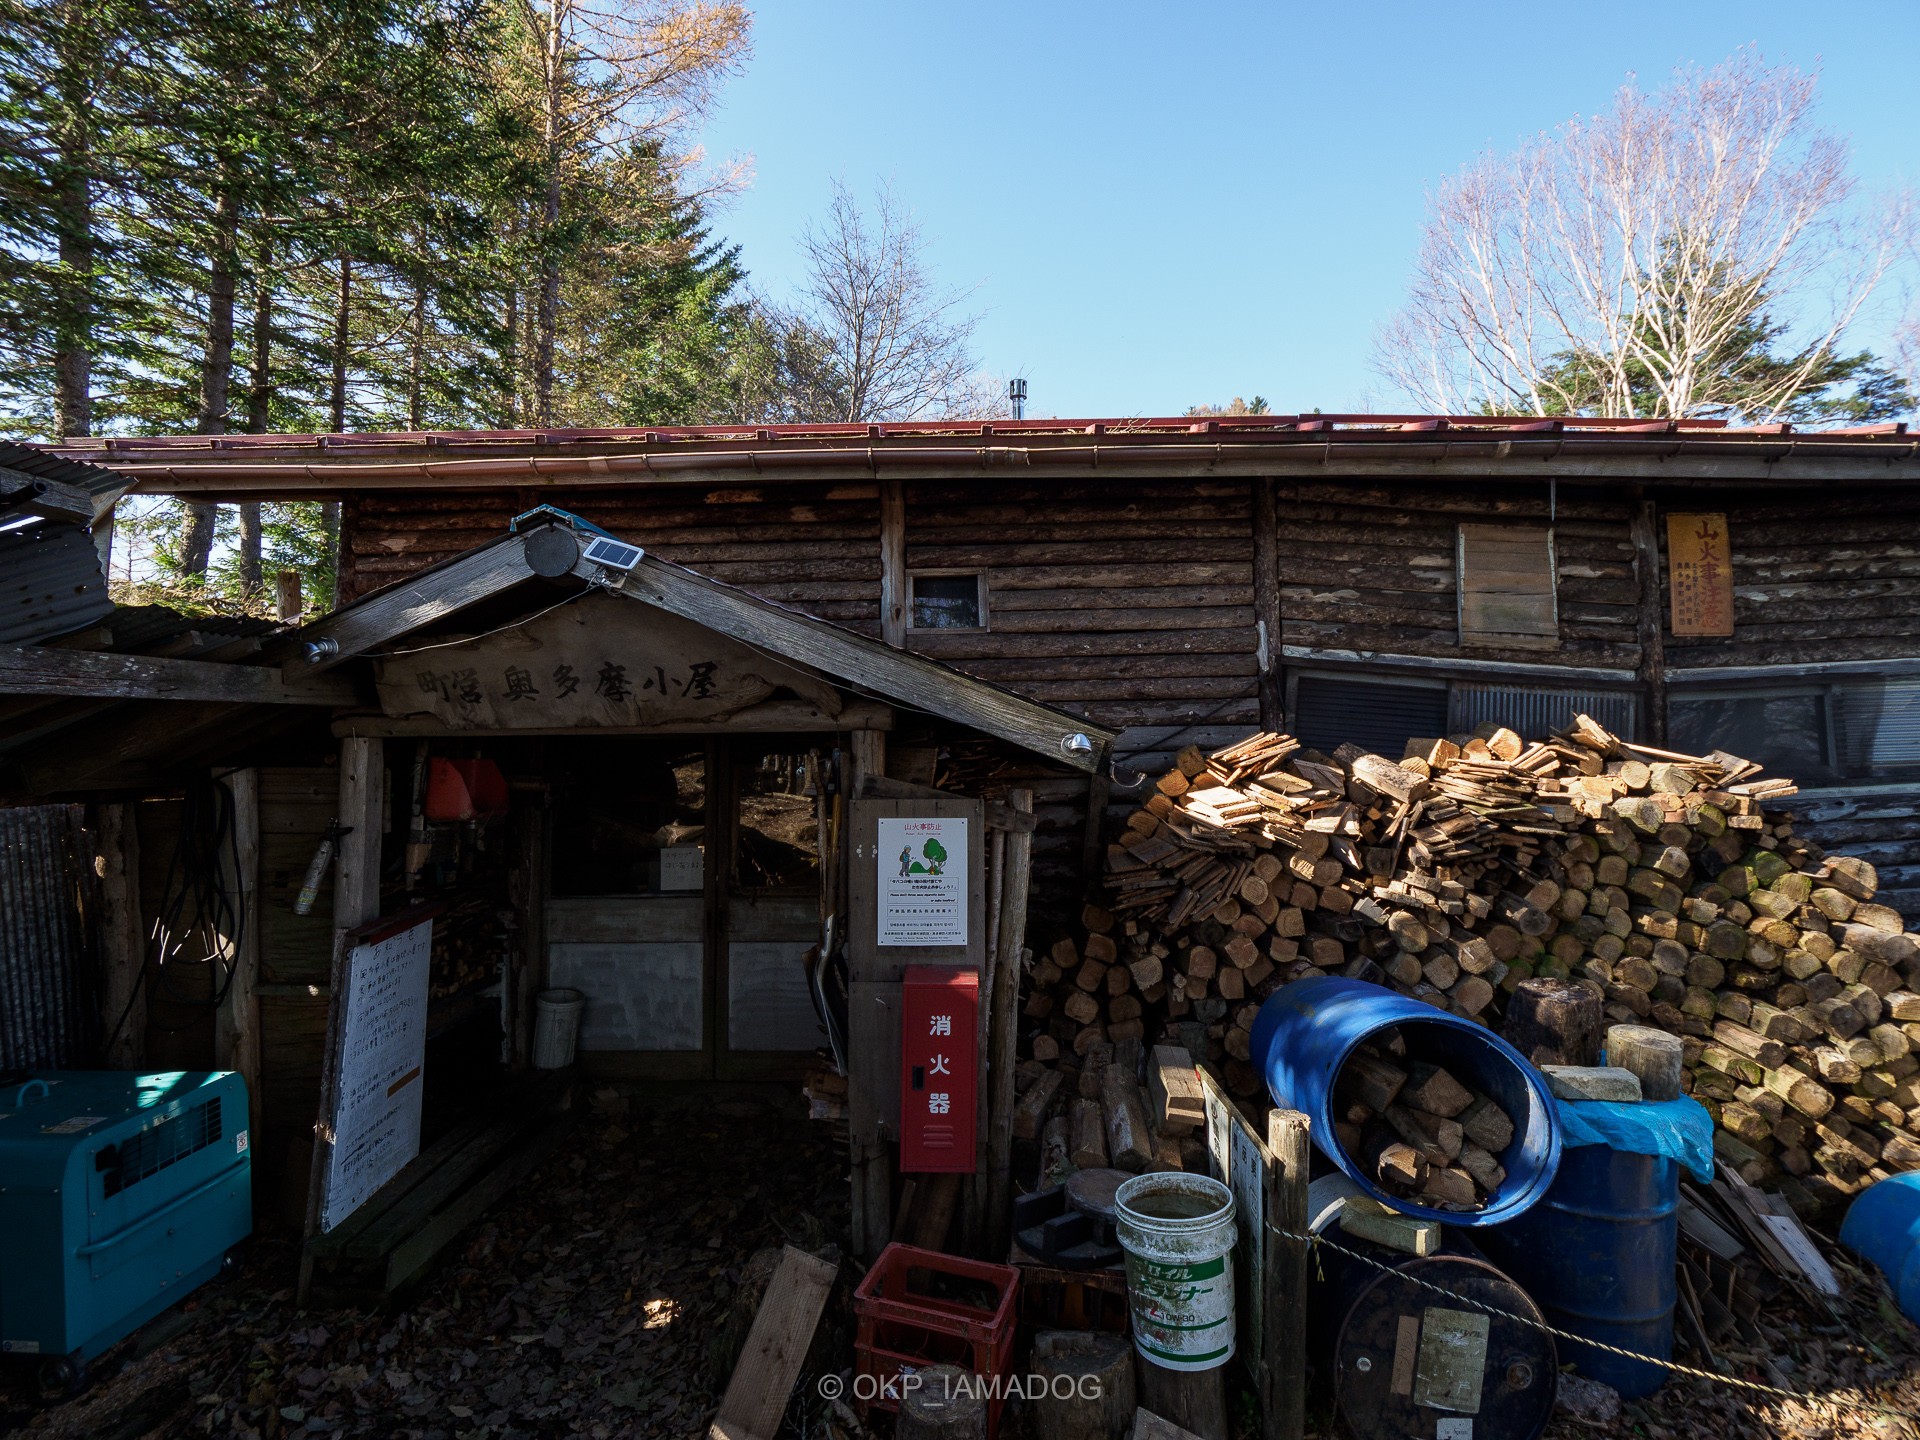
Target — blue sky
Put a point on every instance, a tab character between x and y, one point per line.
1166	205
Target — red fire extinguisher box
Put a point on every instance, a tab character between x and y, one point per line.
939	1068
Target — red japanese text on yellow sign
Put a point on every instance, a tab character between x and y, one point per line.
1700	574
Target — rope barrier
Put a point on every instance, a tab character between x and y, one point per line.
1690	1371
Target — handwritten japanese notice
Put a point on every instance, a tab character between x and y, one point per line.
923	881
601	661
1700	574
383	1052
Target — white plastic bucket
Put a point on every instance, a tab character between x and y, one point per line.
1177	1233
556	1028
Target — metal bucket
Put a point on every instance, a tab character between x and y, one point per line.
1177	1234
1307	1031
556	1028
1599	1255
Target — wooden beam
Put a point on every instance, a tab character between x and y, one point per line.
123	941
237	1025
893	563
777	715
895	675
1652	672
47	498
48	670
417	601
356	891
776	1347
1465	667
1266	599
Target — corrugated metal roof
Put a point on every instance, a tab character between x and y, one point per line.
105	486
50	581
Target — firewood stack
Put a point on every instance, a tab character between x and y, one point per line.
1672	883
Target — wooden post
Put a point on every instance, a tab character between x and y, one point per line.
237	1026
1091	857
1645	528
1284	1405
872	1207
893	563
1003	1018
1266	600
356	900
287	602
123	939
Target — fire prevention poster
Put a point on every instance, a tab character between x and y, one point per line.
923	882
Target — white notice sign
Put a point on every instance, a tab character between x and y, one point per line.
923	882
383	1052
681	868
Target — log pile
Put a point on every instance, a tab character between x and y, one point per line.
1671	886
1417	1130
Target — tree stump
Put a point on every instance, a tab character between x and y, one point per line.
946	1404
1195	1400
1555	1022
1090	1385
1653	1055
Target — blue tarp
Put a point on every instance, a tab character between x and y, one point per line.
1680	1129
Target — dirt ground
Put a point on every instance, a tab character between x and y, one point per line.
587	1303
606	1296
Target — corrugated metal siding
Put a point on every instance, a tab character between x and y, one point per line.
1536	712
100	483
1377	715
50	582
47	1014
1877	726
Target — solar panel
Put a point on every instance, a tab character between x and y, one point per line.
614	554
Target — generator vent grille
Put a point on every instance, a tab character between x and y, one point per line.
167	1143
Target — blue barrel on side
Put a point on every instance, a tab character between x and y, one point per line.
1306	1032
1598	1255
1883	1225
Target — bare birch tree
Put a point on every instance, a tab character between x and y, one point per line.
1615	264
901	342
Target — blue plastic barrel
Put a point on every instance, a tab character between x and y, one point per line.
1883	1225
1307	1030
1598	1254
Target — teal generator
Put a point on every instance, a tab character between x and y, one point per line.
119	1194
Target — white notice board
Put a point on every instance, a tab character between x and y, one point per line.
381	1051
923	881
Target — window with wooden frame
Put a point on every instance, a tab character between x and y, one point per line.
946	600
1506	582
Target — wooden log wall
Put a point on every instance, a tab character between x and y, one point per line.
1880	824
815	547
1372	568
1130	603
1832	575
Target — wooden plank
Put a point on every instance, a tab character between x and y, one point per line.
237	1039
412	604
893	563
773	715
1266	600
1652	671
896	675
776	1347
48	671
1003	1020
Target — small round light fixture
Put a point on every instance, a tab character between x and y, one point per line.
1077	744
325	648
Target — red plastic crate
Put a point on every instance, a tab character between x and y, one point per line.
905	1324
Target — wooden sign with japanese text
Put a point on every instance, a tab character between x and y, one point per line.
600	661
1700	574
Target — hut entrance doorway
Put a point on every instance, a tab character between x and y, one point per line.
683	898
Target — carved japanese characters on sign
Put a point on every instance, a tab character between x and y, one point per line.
1700	574
601	661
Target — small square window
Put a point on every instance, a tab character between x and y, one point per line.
948	602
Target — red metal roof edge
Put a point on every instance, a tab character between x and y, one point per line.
1247	426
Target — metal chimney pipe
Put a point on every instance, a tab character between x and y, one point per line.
1017	396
